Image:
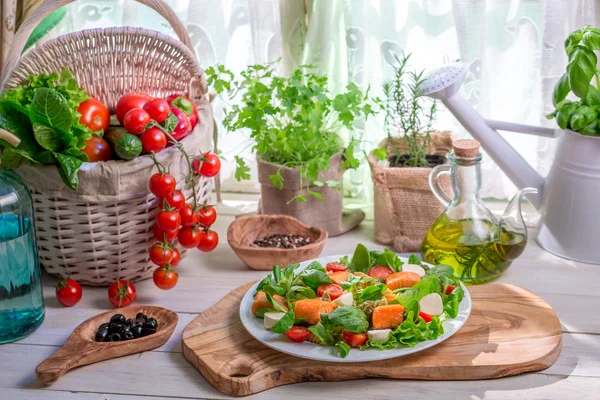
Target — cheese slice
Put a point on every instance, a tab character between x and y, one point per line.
432	304
414	268
344	300
272	318
379	335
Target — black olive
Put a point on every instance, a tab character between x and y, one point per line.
126	329
103	326
114	337
128	335
140	316
148	331
114	327
137	331
129	322
118	319
151	323
101	335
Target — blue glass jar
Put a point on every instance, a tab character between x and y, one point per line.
21	300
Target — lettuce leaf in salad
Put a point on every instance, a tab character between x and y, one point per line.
374	292
427	285
413	259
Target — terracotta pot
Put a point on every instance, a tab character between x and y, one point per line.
405	207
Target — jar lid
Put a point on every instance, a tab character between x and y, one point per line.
466	148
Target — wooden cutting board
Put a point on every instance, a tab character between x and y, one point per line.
510	331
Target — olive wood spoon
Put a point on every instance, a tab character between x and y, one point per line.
81	348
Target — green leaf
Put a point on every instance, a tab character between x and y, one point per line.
561	89
46	137
389	259
170	123
427	285
276	179
276	306
581	68
593	96
316	195
260	313
277	273
564	114
10	158
242	171
380	153
573	39
68	169
274	289
49	107
583	116
333	184
441	270
413	259
361	260
413	308
285	323
409	333
591	38
324	331
344	348
374	292
300	199
314	278
268	280
349	318
315	265
452	301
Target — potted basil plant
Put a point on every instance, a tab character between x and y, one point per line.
294	124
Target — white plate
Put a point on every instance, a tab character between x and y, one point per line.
312	351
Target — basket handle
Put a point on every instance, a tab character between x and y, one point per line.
48	6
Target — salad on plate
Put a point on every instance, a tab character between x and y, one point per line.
371	300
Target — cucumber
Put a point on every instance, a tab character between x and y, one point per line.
124	144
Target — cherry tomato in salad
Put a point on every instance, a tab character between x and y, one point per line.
207	215
94	115
162	185
336	267
168	221
208	241
186	105
68	292
153	140
189	237
135	121
161	254
188	216
380	271
298	333
176	200
129	102
121	293
165	278
183	127
209	166
449	289
163	236
176	258
333	290
354	339
425	316
158	109
97	149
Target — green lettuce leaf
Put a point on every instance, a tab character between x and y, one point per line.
349	318
361	260
285	323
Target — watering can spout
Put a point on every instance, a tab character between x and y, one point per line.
443	84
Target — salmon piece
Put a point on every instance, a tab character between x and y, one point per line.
339	277
399	280
387	317
310	310
261	301
389	295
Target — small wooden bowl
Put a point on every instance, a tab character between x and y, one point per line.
245	230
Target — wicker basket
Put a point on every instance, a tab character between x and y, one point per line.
102	231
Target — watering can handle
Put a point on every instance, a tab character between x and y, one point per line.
522	128
434	183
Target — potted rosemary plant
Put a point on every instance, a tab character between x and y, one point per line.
405	207
294	125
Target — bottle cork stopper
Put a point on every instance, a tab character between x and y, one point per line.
466	148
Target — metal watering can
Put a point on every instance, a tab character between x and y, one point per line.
569	198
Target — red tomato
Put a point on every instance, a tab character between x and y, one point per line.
186	105
207	215
208	241
176	258
336	267
68	292
158	109
449	289
334	291
183	127
121	293
425	316
153	140
160	254
165	278
298	333
168	221
135	120
188	216
209	166
380	271
354	339
176	200
162	185
94	115
97	149
163	236
129	102
189	237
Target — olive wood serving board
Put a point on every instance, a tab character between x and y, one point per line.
510	331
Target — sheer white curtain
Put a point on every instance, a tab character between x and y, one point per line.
513	49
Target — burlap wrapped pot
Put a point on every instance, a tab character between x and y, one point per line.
326	214
405	207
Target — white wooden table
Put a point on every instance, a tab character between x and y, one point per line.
571	288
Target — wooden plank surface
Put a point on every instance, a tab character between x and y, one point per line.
571	288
